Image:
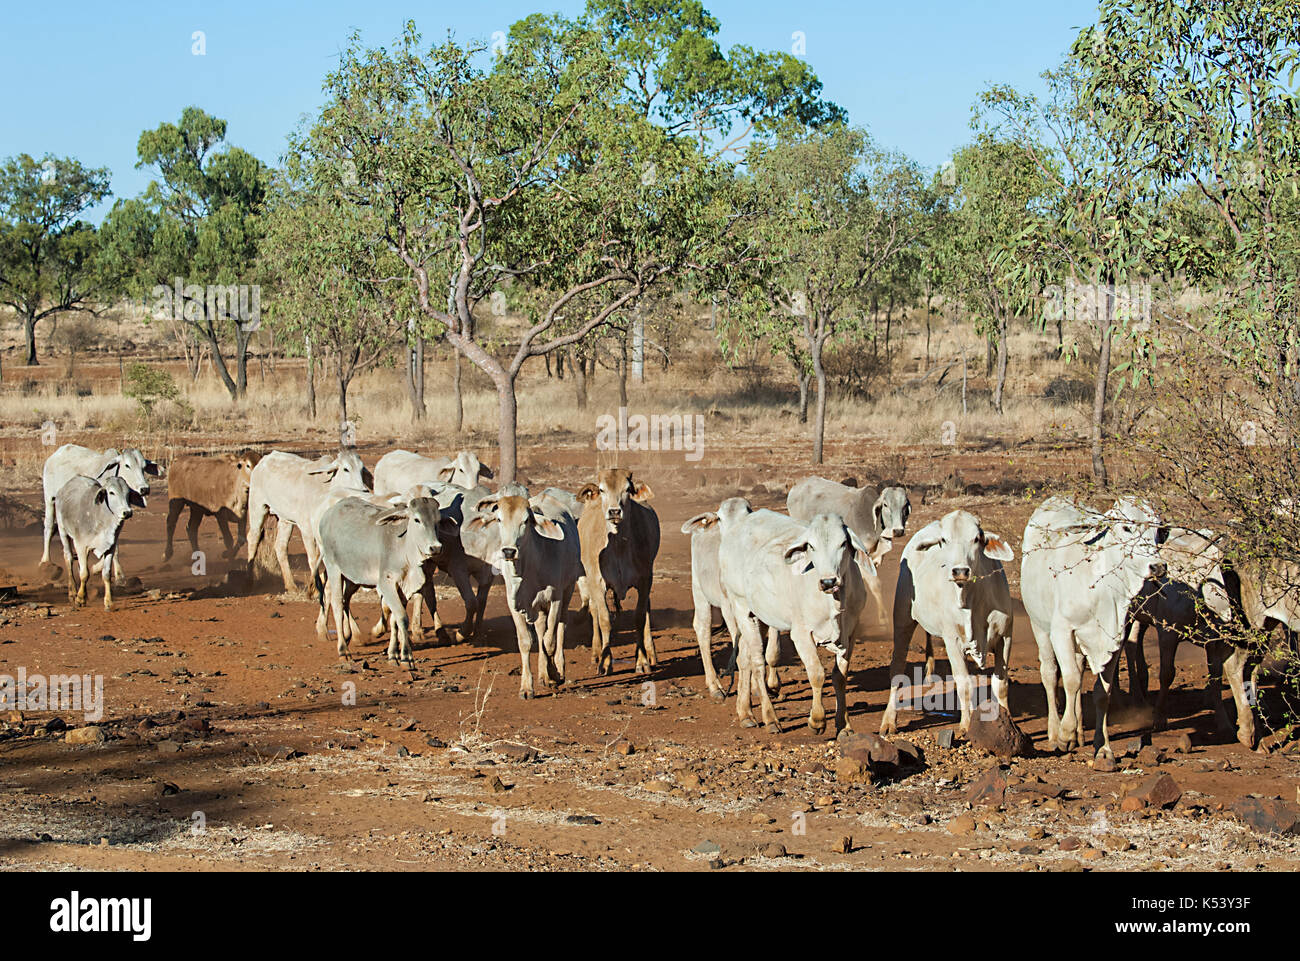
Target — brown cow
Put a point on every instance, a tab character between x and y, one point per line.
210	486
619	535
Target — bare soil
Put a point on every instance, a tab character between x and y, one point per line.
234	741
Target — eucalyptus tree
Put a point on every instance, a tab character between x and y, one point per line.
1101	225
1001	192
191	239
525	169
47	252
828	214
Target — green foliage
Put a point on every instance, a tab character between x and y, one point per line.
147	385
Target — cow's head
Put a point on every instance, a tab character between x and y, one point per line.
465	470
961	547
1134	527
133	467
343	472
827	552
728	512
891	511
422	527
116	494
516	518
614	489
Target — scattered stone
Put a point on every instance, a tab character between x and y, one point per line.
495	786
624	748
999	736
1150	757
1131	804
1029	849
586	819
1183	745
1129	747
990	787
1069	844
707	848
1067	866
1158	791
1092	854
961	825
843	846
851	770
168	747
945	738
658	786
1104	764
85	735
773	849
1268	816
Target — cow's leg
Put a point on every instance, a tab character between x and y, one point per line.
1000	635
1234	669
1070	731
49	529
1047	673
399	641
839	679
1168	641
752	662
174	508
904	625
601	629
524	634
83	562
1135	658
107	574
283	529
703	624
1101	696
459	575
772	655
812	665
192	530
561	630
929	658
66	543
241	532
223	525
646	657
876	590
744	683
1215	652
480	605
335	598
962	680
313	559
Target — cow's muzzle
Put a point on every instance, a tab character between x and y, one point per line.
510	553
614	515
897	532
829	585
960	575
1157	570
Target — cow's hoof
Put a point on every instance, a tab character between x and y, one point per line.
525	695
748	722
817	727
718	695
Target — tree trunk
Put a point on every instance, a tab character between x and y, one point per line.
638	345
819	427
415	380
963	378
508	415
805	380
1099	393
927	326
580	382
311	382
559	365
1002	366
889	324
458	418
29	331
343	409
622	373
242	337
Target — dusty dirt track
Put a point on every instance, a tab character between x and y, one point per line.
230	745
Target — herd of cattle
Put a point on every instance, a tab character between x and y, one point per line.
1091	582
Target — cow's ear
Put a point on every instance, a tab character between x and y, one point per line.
485	471
878	512
998	549
641	492
1162	534
329	467
136	499
796	553
861	555
488	504
547	527
931	540
878	550
447	473
589	492
700	522
477	523
152	468
101	496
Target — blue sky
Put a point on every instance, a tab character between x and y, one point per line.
95	74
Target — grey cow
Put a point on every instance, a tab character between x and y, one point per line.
90	514
364	545
802	578
878	516
399	470
73	460
541	563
